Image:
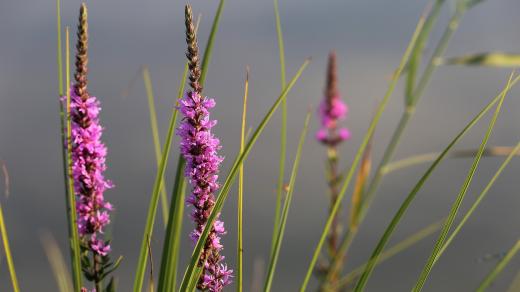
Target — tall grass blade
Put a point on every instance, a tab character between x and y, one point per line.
493	59
460	197
463	153
392	251
477	202
172	241
283	127
411	196
285	212
156	139
240	244
191	275
211	40
71	208
366	139
8	255
499	267
359	187
58	265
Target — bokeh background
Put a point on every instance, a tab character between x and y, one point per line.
369	37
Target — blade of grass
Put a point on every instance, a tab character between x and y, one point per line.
390	252
285	211
59	268
369	133
493	59
411	102
283	127
191	275
156	139
8	255
499	268
240	245
464	153
71	209
460	197
171	246
477	202
211	40
411	196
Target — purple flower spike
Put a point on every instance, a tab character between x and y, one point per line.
332	110
88	165
199	148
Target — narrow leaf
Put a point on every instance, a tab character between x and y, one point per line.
191	275
58	265
494	59
285	212
499	268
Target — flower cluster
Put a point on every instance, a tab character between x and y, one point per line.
88	165
199	148
332	110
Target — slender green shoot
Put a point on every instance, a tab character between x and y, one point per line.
477	202
283	128
411	196
460	197
240	244
73	227
156	139
285	211
58	265
493	151
366	139
499	267
192	273
8	255
392	251
211	40
172	242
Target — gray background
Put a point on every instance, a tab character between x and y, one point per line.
369	37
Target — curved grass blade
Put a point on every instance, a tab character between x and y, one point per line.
240	247
285	211
493	59
59	268
369	133
390	252
171	246
8	255
493	151
411	196
156	139
283	128
71	208
499	268
209	46
460	197
477	201
192	273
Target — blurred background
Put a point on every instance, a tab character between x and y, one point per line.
369	37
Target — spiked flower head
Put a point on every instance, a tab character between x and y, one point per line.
199	148
332	109
88	157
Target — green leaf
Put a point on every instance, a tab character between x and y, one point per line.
285	212
411	196
479	199
57	262
460	197
240	200
192	273
8	255
211	41
156	139
493	59
380	109
499	268
283	128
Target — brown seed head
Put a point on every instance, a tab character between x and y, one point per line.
193	51
332	77
82	54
